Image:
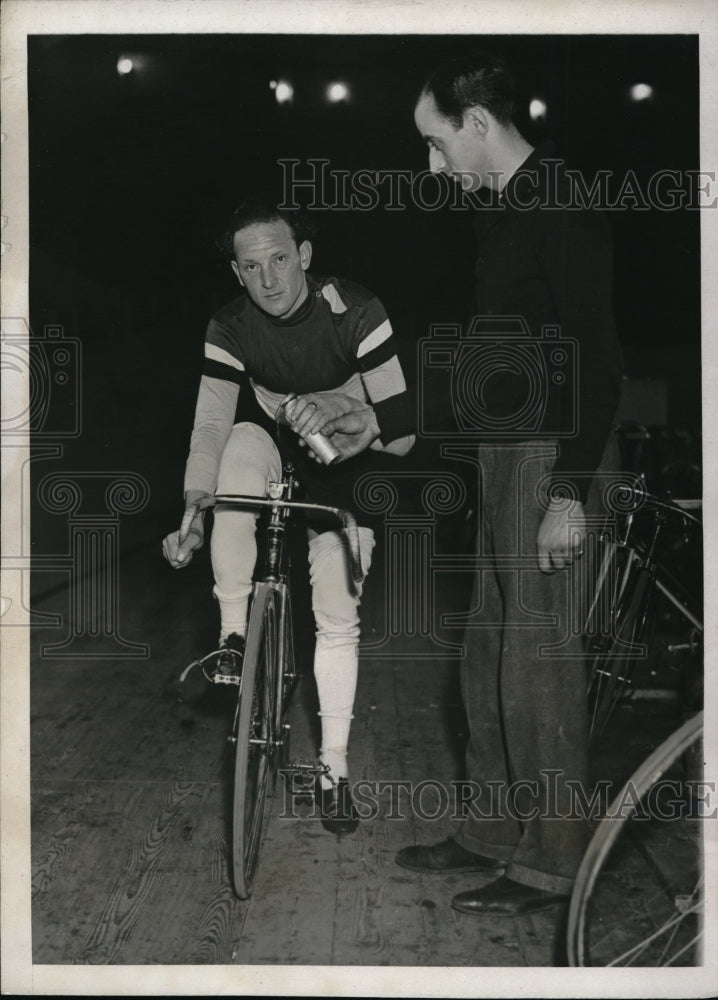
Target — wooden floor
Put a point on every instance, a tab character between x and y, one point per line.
130	820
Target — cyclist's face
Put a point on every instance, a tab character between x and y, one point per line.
271	267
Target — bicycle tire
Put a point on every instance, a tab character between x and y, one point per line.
581	937
257	745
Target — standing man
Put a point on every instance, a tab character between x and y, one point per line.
523	687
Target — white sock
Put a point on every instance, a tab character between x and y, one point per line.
336	660
232	613
333	752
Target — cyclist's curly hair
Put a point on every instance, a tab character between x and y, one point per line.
256	209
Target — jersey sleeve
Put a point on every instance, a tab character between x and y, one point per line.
223	357
396	416
222	375
383	379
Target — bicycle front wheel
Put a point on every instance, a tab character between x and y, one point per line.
257	744
638	896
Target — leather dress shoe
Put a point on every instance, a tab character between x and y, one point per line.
336	807
446	858
506	898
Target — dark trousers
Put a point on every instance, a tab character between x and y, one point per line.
524	682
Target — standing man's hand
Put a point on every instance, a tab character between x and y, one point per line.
561	535
350	423
310	412
353	432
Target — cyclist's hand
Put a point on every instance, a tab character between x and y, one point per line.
561	535
179	546
179	554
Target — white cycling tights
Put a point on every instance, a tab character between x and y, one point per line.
250	458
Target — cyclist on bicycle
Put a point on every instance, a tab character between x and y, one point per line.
291	333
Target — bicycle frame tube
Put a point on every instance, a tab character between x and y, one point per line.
643	558
283	598
274	560
608	579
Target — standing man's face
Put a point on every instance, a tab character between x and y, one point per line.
271	267
456	152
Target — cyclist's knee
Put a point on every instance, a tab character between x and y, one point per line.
249	459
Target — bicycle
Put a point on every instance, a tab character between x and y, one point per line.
641	610
638	895
268	677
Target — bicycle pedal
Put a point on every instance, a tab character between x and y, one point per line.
227	668
306	767
219	678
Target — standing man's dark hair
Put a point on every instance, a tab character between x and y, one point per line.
477	79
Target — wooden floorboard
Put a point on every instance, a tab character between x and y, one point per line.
131	810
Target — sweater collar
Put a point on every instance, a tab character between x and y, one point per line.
301	314
530	177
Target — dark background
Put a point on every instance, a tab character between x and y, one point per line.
131	178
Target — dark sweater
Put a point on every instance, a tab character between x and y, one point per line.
550	263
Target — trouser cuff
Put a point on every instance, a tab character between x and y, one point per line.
559	884
499	852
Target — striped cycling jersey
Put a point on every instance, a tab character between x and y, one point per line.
339	339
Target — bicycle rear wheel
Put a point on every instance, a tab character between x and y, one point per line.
257	743
638	896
